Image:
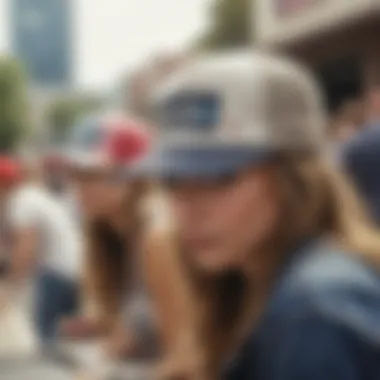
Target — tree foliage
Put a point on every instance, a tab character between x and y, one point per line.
64	113
230	25
13	104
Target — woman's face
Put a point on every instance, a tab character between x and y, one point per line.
221	222
99	195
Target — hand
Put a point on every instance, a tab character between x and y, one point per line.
79	328
121	344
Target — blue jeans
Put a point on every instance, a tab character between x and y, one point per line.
57	297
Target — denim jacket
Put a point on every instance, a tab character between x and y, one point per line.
322	322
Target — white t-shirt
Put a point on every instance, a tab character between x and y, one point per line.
60	242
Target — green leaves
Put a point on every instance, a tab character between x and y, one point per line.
65	112
230	27
13	104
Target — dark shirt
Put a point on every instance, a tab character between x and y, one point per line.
361	159
322	323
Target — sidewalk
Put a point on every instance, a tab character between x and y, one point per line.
91	362
19	358
17	337
32	369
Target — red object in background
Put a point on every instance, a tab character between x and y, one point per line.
127	142
10	171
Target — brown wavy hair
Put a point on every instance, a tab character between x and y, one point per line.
319	201
109	261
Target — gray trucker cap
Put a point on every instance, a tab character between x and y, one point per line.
223	112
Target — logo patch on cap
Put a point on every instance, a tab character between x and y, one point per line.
192	112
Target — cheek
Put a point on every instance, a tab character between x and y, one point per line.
184	213
244	219
252	218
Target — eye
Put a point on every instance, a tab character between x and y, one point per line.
227	179
211	183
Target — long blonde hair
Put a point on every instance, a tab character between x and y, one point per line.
319	201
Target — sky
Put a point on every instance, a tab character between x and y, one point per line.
114	36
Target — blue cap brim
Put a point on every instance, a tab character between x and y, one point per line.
198	162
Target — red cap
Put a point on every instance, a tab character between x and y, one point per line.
111	140
127	143
10	171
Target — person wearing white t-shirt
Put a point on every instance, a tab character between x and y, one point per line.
46	241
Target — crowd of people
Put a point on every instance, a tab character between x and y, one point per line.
228	245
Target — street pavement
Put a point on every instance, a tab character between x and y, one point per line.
19	358
32	369
17	337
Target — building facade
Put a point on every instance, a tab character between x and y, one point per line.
338	39
41	39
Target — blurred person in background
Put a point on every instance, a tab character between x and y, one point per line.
45	246
125	247
54	172
373	105
281	259
361	155
4	245
55	176
10	174
349	119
